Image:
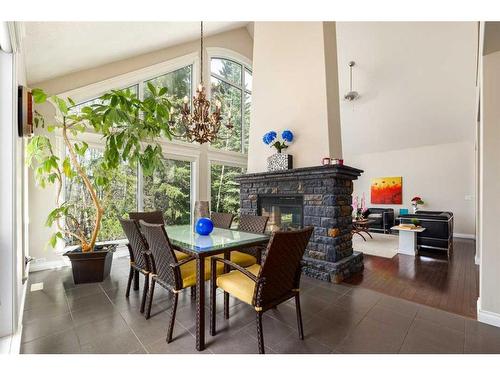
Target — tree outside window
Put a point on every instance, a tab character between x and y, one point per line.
231	84
169	190
225	190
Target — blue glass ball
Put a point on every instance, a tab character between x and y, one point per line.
204	226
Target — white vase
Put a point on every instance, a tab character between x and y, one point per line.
414	207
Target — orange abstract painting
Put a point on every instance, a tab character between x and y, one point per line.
387	190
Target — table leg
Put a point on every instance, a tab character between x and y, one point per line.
407	242
227	256
358	233
200	303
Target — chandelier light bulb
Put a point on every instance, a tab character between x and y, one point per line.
186	100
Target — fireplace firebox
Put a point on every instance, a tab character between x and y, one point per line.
285	212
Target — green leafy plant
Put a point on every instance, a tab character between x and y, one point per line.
130	128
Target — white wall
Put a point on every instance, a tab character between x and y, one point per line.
489	303
416	113
7	226
12	189
426	173
295	87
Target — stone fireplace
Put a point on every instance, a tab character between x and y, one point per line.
315	196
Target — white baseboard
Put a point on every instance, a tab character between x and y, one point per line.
487	317
49	265
120	252
465	235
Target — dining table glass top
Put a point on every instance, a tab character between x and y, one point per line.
185	237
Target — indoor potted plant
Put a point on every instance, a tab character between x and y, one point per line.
130	128
279	161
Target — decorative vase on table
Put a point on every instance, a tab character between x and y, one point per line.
279	161
415	202
204	226
201	209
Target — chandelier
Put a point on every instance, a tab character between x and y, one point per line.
200	124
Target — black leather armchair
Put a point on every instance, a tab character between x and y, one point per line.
383	218
438	234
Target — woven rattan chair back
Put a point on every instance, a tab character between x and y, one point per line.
152	217
222	219
252	223
137	243
281	269
162	254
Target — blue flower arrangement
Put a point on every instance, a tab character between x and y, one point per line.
270	138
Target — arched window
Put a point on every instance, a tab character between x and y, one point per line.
231	83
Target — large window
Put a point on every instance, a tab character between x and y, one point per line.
225	190
119	199
179	85
231	83
169	190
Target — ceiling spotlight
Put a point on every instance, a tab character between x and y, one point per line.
351	95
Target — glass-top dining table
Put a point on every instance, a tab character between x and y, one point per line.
220	241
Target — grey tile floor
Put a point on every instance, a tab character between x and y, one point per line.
97	318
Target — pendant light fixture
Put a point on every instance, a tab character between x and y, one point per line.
351	95
200	123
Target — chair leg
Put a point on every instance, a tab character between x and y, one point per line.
213	305
145	292
136	280
226	305
172	319
150	298
299	317
129	282
260	336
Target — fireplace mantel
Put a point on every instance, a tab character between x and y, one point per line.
307	173
327	198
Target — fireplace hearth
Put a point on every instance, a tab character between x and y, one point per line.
316	196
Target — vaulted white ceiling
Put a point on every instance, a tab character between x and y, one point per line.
416	81
56	48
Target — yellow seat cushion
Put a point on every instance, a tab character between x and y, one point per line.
180	255
188	272
241	259
239	285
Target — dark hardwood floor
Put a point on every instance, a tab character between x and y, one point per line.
428	279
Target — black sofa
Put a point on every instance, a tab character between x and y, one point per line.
438	234
383	218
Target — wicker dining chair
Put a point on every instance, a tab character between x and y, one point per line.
154	217
266	286
253	224
139	263
222	219
167	270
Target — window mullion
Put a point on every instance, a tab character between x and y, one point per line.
220	78
140	176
